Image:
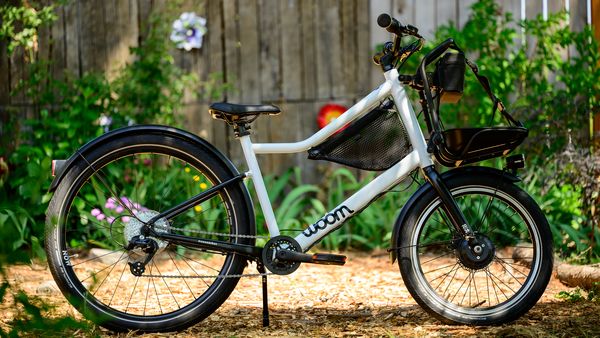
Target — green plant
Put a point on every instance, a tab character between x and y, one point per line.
74	110
554	96
20	21
579	294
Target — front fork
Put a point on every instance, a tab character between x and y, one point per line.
458	220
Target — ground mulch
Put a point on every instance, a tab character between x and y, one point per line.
366	297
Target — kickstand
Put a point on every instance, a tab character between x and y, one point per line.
261	269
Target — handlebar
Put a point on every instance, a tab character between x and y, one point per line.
390	24
394	26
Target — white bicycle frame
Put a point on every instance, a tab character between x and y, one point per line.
418	158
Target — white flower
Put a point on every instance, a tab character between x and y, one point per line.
188	31
105	122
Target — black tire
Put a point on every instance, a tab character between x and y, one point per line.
100	204
448	285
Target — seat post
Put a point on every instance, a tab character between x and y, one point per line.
241	129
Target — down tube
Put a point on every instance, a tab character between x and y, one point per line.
355	203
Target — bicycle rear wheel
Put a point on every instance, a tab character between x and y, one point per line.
485	280
102	203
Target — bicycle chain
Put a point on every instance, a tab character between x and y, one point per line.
210	276
222	234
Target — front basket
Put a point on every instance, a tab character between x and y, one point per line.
469	145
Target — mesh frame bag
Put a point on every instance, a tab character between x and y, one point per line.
374	142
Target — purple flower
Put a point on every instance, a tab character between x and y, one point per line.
119	209
95	212
100	217
110	219
188	31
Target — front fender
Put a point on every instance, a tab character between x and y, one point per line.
493	173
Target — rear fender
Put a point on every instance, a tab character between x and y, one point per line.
61	167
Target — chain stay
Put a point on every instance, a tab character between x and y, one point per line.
209	276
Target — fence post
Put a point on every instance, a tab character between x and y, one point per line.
596	25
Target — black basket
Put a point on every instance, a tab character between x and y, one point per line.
469	145
449	77
376	141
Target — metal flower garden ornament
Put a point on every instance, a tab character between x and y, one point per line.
188	31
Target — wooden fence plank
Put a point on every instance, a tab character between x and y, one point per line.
232	68
232	49
192	61
4	76
364	51
249	77
72	57
58	45
215	58
555	6
307	126
5	115
513	7
533	9
349	47
291	52
17	71
404	11
425	18
309	69
329	75
92	43
121	33
285	128
270	49
464	11
578	15
144	9
446	12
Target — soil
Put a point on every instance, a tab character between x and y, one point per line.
366	297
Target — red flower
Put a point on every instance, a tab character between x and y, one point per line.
328	113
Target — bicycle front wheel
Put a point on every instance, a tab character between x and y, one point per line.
492	278
104	200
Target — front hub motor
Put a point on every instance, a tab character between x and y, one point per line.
269	255
476	253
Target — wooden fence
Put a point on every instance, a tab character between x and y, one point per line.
297	54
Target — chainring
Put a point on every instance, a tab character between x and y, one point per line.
269	253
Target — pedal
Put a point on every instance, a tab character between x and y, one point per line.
328	259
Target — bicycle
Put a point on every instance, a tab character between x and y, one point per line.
150	227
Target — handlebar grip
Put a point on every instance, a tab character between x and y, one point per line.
384	20
390	24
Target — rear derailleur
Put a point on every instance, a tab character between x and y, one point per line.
142	246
